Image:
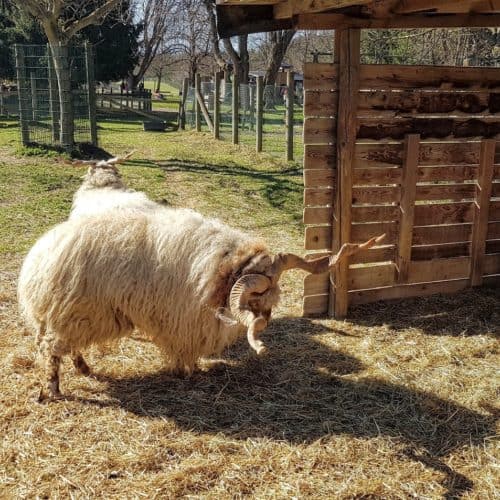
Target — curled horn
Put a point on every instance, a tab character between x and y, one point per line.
285	261
238	303
101	163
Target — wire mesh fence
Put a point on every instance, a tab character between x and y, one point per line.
54	94
274	108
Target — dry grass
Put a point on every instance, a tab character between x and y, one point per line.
397	402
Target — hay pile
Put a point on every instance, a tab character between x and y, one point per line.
397	402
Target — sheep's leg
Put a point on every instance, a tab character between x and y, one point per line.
52	351
81	366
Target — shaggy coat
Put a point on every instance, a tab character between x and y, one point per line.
165	272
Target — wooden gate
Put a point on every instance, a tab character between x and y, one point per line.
414	156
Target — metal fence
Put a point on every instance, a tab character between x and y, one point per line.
273	103
41	96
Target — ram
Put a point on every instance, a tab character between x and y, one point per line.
191	283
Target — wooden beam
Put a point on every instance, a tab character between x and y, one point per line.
289	8
481	211
340	21
446	6
348	55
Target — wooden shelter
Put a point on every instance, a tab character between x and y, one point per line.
410	151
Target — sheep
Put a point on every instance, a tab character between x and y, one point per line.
103	189
191	283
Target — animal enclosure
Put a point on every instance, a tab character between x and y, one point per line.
409	151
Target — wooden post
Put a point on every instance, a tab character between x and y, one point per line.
481	210
182	110
290	98
197	108
348	55
53	108
407	205
259	113
217	79
22	93
235	109
89	67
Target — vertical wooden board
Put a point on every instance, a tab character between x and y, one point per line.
348	55
407	206
481	211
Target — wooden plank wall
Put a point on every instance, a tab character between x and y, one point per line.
426	172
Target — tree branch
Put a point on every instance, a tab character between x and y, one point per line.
93	18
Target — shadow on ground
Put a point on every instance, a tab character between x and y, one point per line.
299	392
471	312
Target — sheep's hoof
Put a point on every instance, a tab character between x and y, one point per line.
259	348
52	396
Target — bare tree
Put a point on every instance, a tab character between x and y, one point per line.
61	21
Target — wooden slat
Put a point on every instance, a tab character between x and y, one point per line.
372	255
428	128
319	130
439	270
377	176
481	211
493	231
324	156
422	101
430	192
431	235
407	206
495	190
320	76
319	177
371	276
315	305
376	195
494	211
448	173
405	291
363	232
493	246
320	103
375	213
447	250
317	284
317	196
318	215
348	53
395	76
491	264
317	237
443	213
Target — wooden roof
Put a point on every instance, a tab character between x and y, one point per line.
251	16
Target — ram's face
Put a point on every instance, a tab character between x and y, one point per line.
262	304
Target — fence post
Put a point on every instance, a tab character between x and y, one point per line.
21	90
259	113
290	98
197	107
217	81
89	66
235	109
182	104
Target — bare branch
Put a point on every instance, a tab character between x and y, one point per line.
93	18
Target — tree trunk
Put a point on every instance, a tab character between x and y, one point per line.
158	82
60	55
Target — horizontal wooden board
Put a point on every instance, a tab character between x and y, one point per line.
494	213
319	177
395	76
432	192
320	103
493	246
443	213
448	173
424	101
320	156
491	264
431	235
406	291
315	305
371	276
370	154
371	255
376	176
317	284
495	190
447	250
376	195
439	270
427	128
318	196
320	130
493	231
363	232
375	213
320	76
318	238
318	215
